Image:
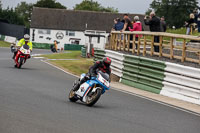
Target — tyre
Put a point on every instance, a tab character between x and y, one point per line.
72	96
91	99
20	62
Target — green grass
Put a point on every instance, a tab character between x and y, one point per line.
181	31
77	67
68	55
4	44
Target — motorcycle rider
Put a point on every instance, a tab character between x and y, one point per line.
24	41
103	66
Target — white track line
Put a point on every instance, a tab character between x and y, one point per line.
131	93
156	101
59	68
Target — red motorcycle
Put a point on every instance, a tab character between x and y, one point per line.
22	55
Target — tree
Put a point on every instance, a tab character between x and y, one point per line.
24	11
49	4
11	16
176	12
0	5
91	5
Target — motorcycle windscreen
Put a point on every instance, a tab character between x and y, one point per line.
105	75
26	47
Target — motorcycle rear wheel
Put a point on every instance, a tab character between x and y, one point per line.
72	96
92	99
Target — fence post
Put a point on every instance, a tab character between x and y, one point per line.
171	48
160	46
128	42
183	53
152	45
115	41
111	41
133	45
138	46
124	42
120	42
144	49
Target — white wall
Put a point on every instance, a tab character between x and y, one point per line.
49	38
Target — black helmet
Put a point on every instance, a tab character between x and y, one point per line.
106	61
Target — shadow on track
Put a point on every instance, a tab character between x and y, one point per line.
23	68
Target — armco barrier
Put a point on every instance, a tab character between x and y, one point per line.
83	52
117	62
159	77
183	70
41	45
181	92
182	82
10	39
99	54
2	37
143	73
72	47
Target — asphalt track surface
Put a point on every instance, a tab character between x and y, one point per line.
33	100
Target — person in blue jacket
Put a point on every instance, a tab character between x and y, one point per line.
118	25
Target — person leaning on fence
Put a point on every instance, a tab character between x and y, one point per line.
118	26
188	24
127	24
154	26
137	26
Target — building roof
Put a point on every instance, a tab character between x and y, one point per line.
62	19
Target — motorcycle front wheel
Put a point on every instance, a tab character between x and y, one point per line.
72	96
20	62
91	99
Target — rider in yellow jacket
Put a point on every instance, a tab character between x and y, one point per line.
23	41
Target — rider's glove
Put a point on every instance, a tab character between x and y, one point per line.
87	76
93	75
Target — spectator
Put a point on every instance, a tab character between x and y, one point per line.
55	45
198	22
118	25
195	12
163	25
137	26
154	25
127	24
189	23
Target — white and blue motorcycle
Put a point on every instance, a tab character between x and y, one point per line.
90	91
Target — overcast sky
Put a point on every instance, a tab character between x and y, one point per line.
124	6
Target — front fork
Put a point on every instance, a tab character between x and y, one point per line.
93	90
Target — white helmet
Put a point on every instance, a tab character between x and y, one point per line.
26	37
136	18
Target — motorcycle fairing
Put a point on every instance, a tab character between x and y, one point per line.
85	89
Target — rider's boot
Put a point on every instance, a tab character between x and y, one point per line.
14	55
